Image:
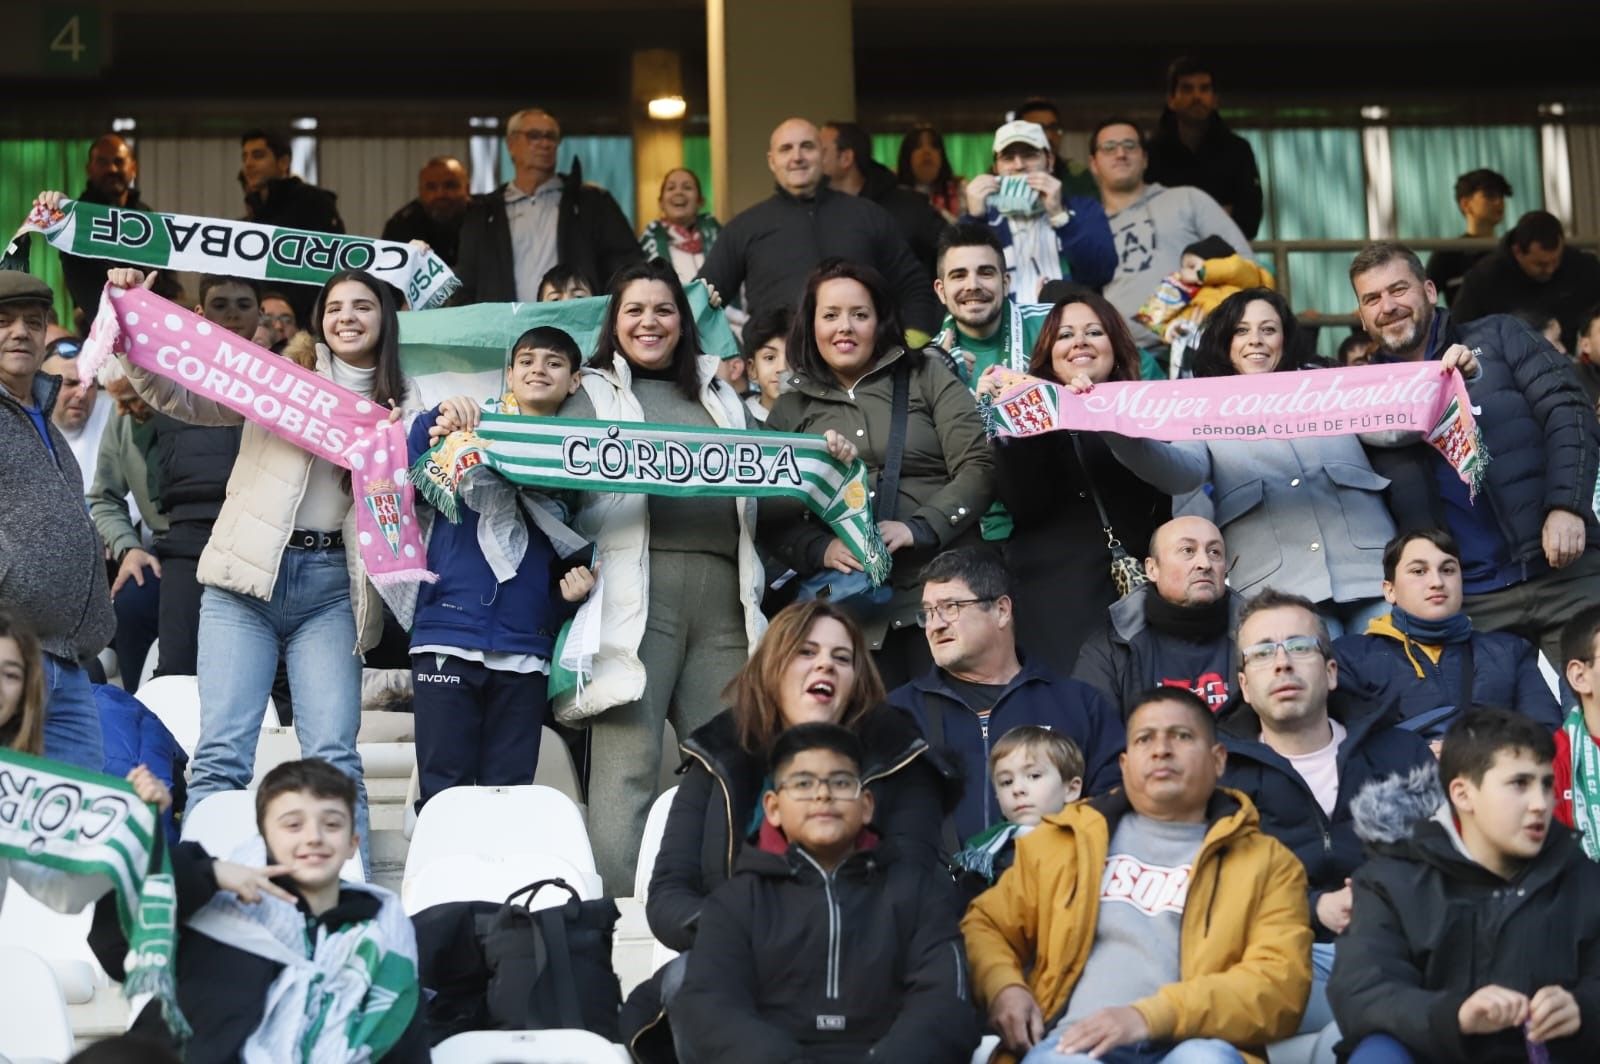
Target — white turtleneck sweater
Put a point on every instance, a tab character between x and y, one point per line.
326	503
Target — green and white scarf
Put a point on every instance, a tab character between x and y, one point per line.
157	241
348	1002
643	458
1020	326
1585	782
89	824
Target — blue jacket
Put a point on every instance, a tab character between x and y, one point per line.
1373	749
468	607
135	736
1088	254
1505	674
1034	696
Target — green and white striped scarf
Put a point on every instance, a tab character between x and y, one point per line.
1585	782
643	458
88	824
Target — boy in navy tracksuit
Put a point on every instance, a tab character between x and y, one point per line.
480	647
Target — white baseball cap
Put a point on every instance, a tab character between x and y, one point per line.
1020	132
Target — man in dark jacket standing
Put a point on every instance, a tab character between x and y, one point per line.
511	237
52	573
980	688
1193	146
1302	751
848	165
112	171
1530	544
1475	936
435	216
1533	270
771	247
274	196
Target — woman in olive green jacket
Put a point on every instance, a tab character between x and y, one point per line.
846	349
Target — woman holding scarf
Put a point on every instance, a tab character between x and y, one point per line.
281	572
684	233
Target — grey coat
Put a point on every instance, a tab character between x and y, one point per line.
51	573
1305	515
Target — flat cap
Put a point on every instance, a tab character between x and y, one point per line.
19	287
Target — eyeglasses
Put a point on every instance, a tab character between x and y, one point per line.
948	610
841	786
1298	647
537	135
1111	147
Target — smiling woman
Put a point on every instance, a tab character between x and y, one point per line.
684	232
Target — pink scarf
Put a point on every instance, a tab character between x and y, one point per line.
298	404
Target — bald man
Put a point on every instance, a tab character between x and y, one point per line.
78	411
1175	631
435	216
111	172
772	246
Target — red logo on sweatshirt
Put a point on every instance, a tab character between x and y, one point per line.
1152	889
1208	685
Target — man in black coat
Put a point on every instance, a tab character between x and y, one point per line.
771	247
1530	544
511	237
848	165
1475	936
1533	271
274	196
1193	146
112	170
435	216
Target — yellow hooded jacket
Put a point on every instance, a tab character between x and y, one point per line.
1245	947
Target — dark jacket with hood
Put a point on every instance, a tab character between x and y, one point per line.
1034	696
1537	426
1373	749
222	990
721	790
918	220
1430	926
1224	168
792	963
1497	285
50	561
771	247
593	237
1124	659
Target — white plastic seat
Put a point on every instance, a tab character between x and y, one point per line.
497	822
555	770
176	701
986	1049
527	1047
226	820
33	1015
655	825
480	878
61	939
275	746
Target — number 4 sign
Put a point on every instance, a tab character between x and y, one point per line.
72	39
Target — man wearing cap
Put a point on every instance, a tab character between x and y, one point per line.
1046	237
51	573
1481	198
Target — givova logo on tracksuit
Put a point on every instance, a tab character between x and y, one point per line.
1152	889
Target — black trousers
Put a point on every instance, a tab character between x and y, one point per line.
475	725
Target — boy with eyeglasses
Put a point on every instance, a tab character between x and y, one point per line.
823	947
1302	749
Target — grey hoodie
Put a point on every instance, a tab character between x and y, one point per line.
51	572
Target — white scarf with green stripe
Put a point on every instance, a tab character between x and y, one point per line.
88	824
644	458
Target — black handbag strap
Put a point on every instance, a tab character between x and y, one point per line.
889	478
552	924
532	890
1113	544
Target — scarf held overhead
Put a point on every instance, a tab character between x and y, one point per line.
298	404
660	460
238	249
88	824
1394	397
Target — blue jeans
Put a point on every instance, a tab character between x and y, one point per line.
1189	1051
1381	1049
71	721
310	619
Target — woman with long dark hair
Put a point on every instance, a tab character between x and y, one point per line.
925	167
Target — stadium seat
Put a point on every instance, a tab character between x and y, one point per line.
224	821
62	939
654	826
555	769
479	878
986	1049
526	1047
33	1015
176	700
274	747
496	822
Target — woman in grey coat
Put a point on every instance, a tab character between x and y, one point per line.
1304	515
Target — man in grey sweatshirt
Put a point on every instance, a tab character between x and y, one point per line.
52	576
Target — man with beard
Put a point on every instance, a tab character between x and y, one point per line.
983	326
1530	544
434	217
112	171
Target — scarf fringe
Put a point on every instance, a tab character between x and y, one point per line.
159	983
437	495
403	576
991	420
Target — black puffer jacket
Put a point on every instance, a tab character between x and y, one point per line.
721	788
1373	749
1429	927
1539	428
911	211
190	465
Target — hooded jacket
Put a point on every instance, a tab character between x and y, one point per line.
793	964
1122	659
50	563
721	788
1034	696
1326	844
1245	946
1430	926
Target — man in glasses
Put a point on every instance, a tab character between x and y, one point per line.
1151	224
981	686
1302	749
512	237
